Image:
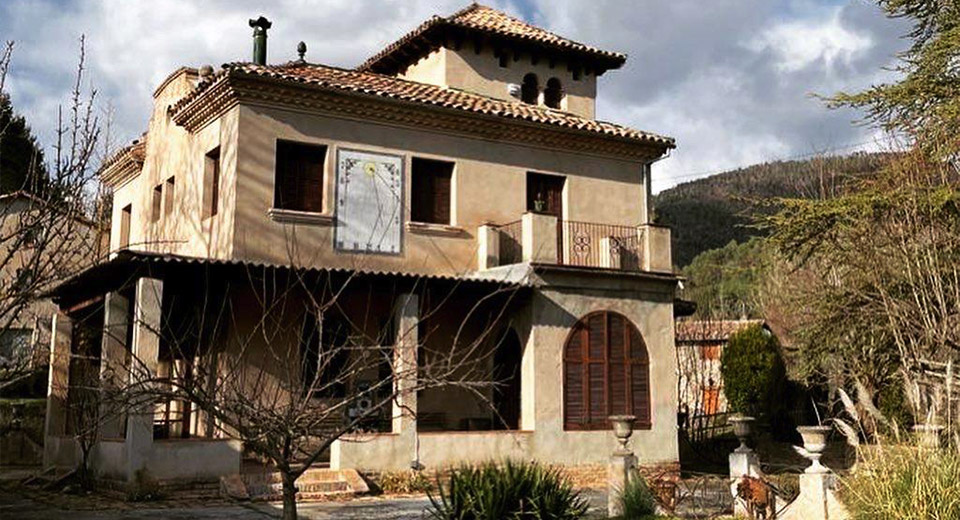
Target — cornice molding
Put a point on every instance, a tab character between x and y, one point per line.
236	88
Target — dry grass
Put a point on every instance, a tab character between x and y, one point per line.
904	482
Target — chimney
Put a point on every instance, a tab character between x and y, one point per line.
260	26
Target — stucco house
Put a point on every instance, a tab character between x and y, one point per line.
463	159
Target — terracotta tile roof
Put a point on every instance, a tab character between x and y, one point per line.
491	21
373	84
136	151
692	331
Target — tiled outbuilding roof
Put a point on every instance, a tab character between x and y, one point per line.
373	84
490	21
694	331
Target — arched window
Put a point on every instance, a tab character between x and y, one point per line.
530	90
606	371
553	94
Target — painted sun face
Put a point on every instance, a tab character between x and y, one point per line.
369	168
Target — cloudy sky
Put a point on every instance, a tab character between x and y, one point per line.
730	79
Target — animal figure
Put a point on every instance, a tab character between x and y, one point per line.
758	497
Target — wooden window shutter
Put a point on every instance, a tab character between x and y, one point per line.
606	372
299	176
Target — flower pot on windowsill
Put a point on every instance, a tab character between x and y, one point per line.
743	429
814	442
622	430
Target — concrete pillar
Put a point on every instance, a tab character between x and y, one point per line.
113	361
145	352
405	373
539	238
622	468
655	245
610	253
488	247
58	381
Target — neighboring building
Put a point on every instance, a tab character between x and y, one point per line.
463	159
37	245
700	344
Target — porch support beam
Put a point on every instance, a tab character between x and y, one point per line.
58	382
145	350
114	359
405	372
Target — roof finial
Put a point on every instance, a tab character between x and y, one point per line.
302	50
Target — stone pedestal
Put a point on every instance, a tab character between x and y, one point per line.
817	499
743	463
623	467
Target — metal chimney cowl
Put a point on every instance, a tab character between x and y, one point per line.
260	26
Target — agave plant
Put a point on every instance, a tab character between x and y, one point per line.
512	490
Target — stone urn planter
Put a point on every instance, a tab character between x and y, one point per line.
622	430
928	435
743	429
814	442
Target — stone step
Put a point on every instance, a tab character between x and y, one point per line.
314	484
306	487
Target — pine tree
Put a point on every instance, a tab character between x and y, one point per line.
925	103
21	157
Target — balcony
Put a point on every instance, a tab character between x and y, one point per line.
544	239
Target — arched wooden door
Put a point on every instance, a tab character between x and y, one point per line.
606	371
506	373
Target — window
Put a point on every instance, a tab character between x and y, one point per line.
553	94
211	183
14	346
545	194
710	352
430	194
503	58
125	214
606	372
530	90
168	192
23	281
157	203
299	177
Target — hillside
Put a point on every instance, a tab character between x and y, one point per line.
708	213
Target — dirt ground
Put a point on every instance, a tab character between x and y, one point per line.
20	503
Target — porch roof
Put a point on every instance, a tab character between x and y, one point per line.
128	265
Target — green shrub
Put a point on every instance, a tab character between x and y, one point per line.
753	372
904	483
513	490
636	499
402	482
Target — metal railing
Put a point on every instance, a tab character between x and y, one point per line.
511	243
582	244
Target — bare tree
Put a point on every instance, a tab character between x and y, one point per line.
46	232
